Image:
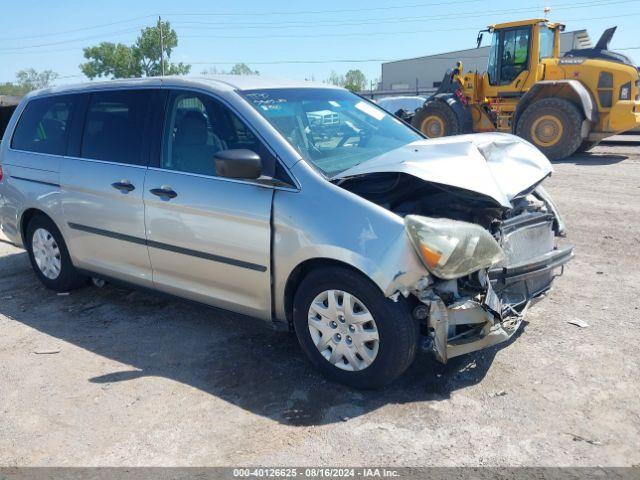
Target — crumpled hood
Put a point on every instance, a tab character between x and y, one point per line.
498	165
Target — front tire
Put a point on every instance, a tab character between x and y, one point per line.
350	331
49	256
436	119
553	125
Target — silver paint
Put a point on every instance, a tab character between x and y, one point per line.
278	229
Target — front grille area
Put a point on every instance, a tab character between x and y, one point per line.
525	239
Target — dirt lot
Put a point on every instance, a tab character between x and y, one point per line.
142	380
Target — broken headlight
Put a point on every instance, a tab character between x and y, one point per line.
450	248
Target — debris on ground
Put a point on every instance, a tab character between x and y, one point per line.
579	323
47	352
579	438
500	393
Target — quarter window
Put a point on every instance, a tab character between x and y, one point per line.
546	42
197	127
44	125
114	127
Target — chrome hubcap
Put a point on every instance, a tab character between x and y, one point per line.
46	253
343	330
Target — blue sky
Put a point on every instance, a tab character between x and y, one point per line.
50	35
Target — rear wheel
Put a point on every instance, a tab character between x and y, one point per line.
350	331
553	125
49	256
436	119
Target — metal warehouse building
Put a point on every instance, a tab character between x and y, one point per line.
423	74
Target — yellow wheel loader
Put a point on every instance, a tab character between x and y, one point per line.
560	104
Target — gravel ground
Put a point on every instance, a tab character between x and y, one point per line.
114	377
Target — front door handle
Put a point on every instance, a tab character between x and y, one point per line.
164	192
124	186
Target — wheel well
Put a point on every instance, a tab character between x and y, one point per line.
27	215
301	271
562	90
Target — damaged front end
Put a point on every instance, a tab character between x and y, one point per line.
487	307
490	252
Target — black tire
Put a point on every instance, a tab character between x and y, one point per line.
586	145
68	277
398	331
441	111
563	141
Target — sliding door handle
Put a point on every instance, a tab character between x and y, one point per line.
164	192
124	186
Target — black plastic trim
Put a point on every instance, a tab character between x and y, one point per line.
169	248
36	181
518	273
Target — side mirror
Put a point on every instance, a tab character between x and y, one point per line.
238	163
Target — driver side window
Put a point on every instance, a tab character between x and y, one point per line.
515	54
197	127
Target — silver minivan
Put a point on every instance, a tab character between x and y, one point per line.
358	234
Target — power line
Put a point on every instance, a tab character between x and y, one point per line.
475	14
355	34
314	12
83	29
300	24
411	19
20	50
62	42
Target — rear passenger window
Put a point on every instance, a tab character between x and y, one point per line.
114	127
44	125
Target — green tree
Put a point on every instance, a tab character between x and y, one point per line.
10	88
140	59
33	80
27	80
243	69
355	80
114	60
237	69
335	79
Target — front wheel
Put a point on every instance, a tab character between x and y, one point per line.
553	125
436	119
350	331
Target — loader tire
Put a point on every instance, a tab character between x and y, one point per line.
586	145
436	119
553	125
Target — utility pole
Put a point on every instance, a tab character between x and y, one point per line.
161	47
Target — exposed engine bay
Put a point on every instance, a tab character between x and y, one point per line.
485	307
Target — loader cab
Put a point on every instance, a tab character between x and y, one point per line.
517	49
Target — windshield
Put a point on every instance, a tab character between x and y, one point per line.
333	129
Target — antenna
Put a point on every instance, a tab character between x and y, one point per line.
547	11
161	46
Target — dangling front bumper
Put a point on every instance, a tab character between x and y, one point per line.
470	324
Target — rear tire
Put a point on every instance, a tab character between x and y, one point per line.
436	119
586	146
553	125
49	256
392	323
